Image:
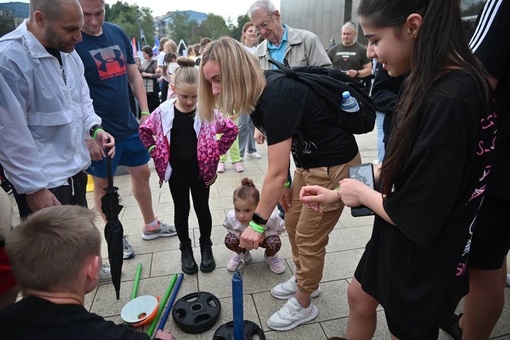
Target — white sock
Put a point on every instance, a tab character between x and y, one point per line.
153	224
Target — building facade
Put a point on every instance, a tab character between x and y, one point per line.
161	23
326	17
322	17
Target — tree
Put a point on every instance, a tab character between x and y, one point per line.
6	24
214	27
132	20
194	30
179	27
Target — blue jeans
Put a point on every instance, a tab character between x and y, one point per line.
246	131
379	120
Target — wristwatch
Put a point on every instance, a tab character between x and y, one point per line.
94	128
357	73
258	219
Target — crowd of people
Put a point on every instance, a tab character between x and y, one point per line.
439	232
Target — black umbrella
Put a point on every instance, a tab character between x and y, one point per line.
113	230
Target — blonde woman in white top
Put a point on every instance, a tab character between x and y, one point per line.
244	123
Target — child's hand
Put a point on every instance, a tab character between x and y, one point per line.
351	192
163	335
313	196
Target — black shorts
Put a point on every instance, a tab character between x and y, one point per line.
491	237
74	193
400	333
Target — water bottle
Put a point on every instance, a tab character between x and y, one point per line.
349	104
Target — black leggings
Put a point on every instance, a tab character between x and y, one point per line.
182	180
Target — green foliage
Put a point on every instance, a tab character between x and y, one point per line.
237	30
132	19
214	26
6	25
179	27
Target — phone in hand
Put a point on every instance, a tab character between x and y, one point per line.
363	173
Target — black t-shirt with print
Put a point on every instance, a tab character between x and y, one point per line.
416	268
289	108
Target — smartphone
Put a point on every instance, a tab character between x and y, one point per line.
363	173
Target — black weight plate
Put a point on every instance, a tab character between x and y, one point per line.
196	312
226	331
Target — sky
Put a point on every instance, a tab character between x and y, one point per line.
224	8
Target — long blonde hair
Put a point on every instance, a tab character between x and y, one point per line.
245	28
242	80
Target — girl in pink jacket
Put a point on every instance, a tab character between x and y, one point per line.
186	154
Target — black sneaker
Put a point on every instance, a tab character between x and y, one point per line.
452	327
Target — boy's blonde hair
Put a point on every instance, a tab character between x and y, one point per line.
47	250
242	80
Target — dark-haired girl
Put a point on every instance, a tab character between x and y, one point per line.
434	174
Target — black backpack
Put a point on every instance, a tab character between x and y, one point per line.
329	84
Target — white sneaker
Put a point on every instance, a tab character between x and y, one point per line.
163	230
234	262
508	280
287	289
255	155
105	274
291	315
275	264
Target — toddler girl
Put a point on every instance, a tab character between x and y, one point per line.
246	198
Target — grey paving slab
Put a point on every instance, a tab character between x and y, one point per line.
161	259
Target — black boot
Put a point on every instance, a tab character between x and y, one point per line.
189	266
207	264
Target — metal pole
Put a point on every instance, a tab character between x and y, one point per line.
237	302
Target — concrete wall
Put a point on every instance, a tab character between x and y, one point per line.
322	17
326	17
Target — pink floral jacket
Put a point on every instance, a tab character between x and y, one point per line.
209	149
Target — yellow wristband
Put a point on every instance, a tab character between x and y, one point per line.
96	131
151	148
257	227
338	191
145	113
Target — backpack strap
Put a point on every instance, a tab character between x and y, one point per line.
287	70
329	84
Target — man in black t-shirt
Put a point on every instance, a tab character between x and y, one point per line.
62	265
491	239
351	57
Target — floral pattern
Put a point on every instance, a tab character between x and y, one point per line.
156	131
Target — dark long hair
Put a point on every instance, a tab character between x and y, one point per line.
440	45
